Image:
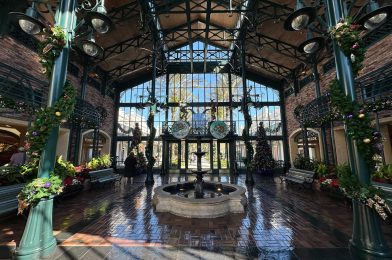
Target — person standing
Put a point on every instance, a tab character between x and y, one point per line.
130	167
18	158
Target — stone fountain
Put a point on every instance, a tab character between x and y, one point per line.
199	199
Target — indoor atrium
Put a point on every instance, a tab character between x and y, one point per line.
196	129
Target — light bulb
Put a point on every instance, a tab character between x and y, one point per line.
300	22
374	21
29	27
90	49
100	25
311	47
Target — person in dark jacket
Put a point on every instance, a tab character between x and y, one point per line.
130	167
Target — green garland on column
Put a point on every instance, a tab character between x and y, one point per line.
357	120
348	37
150	142
51	47
246	138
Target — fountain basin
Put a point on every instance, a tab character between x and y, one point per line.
220	199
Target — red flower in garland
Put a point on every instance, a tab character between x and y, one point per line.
335	183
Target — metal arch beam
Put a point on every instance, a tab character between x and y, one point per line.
269	65
167	9
279	11
124	12
130	67
281	47
120	47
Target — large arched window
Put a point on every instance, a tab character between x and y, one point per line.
199	92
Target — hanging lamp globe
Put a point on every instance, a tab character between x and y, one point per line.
99	20
312	44
90	47
375	16
300	18
28	21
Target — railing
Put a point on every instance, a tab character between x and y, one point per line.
374	86
21	87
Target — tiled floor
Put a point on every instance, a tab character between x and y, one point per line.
280	223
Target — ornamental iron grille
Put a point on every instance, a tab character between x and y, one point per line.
376	85
30	93
314	112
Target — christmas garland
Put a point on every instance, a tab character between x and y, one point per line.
366	194
51	47
355	116
47	119
246	138
348	37
150	142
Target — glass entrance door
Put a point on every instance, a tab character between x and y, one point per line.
223	155
174	156
191	161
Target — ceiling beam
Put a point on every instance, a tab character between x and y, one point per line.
270	66
118	48
283	48
129	67
124	12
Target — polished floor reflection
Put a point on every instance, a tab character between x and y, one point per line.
119	223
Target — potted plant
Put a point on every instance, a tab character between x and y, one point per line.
383	175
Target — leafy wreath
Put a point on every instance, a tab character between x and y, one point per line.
348	37
51	47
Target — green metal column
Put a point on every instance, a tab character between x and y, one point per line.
113	148
150	176
367	241
316	77
38	240
249	176
286	152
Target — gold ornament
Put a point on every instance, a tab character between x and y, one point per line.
58	113
361	115
366	140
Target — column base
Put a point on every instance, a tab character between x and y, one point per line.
38	240
367	239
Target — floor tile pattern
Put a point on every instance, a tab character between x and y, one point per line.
281	222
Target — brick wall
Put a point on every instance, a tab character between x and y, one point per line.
24	59
377	56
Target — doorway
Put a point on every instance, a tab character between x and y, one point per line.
191	159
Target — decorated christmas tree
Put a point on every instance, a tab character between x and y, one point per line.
136	137
263	158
